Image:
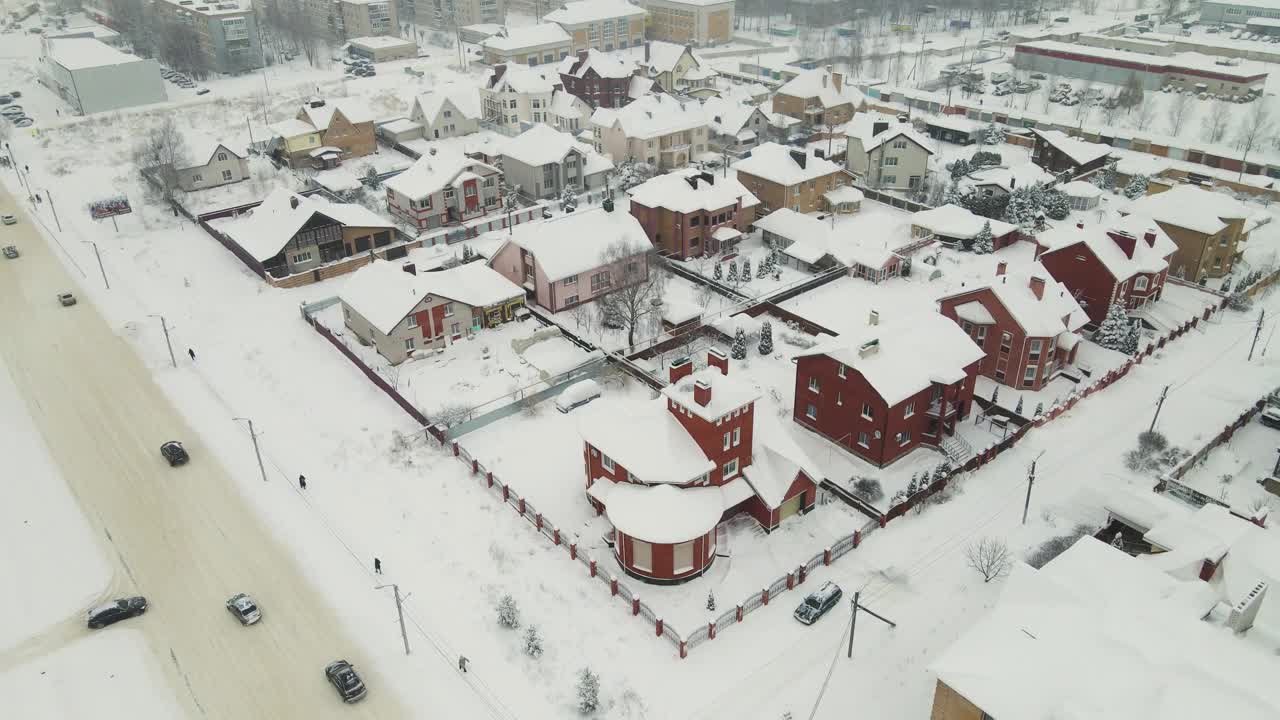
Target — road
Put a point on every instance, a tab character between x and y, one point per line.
184	537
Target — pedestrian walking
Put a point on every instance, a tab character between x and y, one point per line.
302	481
192	353
377	566
462	663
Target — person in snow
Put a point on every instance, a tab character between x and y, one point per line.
302	481
377	566
192	353
462	663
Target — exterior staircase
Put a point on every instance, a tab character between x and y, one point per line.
957	449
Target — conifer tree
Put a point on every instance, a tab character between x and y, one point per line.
1113	331
766	339
739	349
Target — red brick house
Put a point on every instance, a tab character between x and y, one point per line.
1056	151
1129	259
1025	323
689	213
887	389
442	188
669	472
600	79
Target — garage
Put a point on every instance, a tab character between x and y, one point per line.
790	507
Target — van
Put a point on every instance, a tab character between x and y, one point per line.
577	394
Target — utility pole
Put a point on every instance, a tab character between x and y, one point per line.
165	326
404	635
1257	332
853	621
256	451
1159	404
99	256
1031	480
49	195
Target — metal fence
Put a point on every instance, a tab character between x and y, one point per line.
777	586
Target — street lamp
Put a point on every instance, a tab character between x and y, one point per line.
399	611
99	256
257	452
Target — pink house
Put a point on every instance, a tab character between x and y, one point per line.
561	263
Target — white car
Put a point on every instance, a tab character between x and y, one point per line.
244	609
8	219
577	395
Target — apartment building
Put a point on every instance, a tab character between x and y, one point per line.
448	14
513	96
600	24
690	22
657	129
368	18
784	177
227	31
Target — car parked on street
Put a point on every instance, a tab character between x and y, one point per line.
577	395
23	121
818	602
174	453
66	299
1270	416
6	99
8	219
244	609
11	252
342	676
114	612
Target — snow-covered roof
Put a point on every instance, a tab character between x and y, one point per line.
777	163
844	194
339	179
639	87
727	393
291	128
663	56
1189	63
519	38
862	241
541	145
606	65
690	189
1080	151
85	53
431	173
1080	189
400	125
575	242
663	514
353	110
862	127
1146	258
676	311
465	97
958	123
567	105
375	42
1098	634
523	79
953	221
652	116
975	312
1190	207
728	116
631	435
1010	177
202	147
264	232
776	461
902	356
383	292
1054	312
589	11
821	84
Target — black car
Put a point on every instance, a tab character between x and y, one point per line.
174	453
818	603
116	611
342	676
1270	416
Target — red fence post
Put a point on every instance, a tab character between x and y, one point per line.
684	650
791	581
635	604
475	466
573	549
711	630
613	586
537	521
657	626
593	568
883	520
506	493
555	535
521	506
739	613
764	595
455	448
488	479
857	538
826	556
803	574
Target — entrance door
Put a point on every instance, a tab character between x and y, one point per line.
790	507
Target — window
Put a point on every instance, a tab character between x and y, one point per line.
890	161
864	440
412	321
222	157
408	343
1005	341
899	144
607	463
226	176
469	191
728	441
813	385
890	179
737	436
840	369
1140	283
197	177
600	281
448	309
903	437
910	410
1035	350
537	104
456	329
811	411
572	299
641	555
731	468
449	113
683	557
511	104
982	336
302	257
695	221
571	280
1029	377
867	412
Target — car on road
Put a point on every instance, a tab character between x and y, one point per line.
114	612
202	91
23	121
13	112
8	219
174	453
818	602
15	94
6	99
11	252
342	676
67	299
1270	416
244	609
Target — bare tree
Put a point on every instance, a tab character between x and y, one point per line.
1255	126
161	150
640	283
1146	113
990	557
1112	106
1215	123
1179	110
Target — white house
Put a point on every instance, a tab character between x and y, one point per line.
515	96
444	187
886	153
657	129
448	111
211	163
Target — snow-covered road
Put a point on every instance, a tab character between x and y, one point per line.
183	537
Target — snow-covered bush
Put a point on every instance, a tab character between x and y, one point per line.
868	489
1113	332
532	642
985	158
959	169
739	349
588	691
1055	204
766	338
711	600
993	135
746	269
1136	188
984	242
508	612
717	272
1153	455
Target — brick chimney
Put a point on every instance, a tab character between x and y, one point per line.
824	79
410	268
1036	283
1001	267
680	368
702	392
1150	237
1079	224
717	358
1124	241
837	80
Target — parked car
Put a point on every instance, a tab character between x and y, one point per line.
8	219
23	121
202	91
1270	416
11	252
12	111
577	395
66	299
6	99
114	612
342	676
174	453
244	609
15	94
818	602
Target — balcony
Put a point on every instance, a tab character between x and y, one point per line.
935	409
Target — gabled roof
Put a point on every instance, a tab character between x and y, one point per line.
690	189
574	243
292	128
814	239
862	127
821	84
727	393
585	11
729	116
541	145
518	38
652	116
956	222
463	96
353	110
384	293
905	355
522	79
202	147
1080	151
268	227
1146	259
1190	207
1038	317
433	172
776	163
1009	178
605	65
663	56
776	461
629	435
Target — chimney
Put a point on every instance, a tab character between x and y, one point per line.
800	157
582	57
1001	267
717	358
702	392
1037	286
317	102
1079	224
498	71
1013	182
1125	241
410	268
824	80
708	178
878	127
868	348
293	202
646	51
1244	612
1150	237
680	368
873	318
837	80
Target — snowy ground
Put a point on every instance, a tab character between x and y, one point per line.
1232	470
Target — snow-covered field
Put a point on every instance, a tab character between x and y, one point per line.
1231	472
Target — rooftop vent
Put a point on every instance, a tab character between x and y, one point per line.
799	157
1244	612
870	347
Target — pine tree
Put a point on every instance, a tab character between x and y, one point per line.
739	349
1022	209
532	642
955	195
588	691
733	272
508	613
716	272
766	339
913	486
1018	410
1055	204
1106	179
993	135
1136	188
897	498
746	269
711	600
983	242
1133	339
762	270
959	169
940	472
1226	285
1113	331
1039	409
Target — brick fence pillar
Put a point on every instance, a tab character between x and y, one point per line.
506	493
791	580
857	538
826	556
684	650
537	521
635	604
711	630
803	574
555	535
593	568
883	520
573	549
613	586
521	506
455	448
657	627
488	478
475	466
739	613
764	595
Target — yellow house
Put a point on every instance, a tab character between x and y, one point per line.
297	139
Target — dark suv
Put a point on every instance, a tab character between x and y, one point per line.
342	676
818	603
114	612
174	453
